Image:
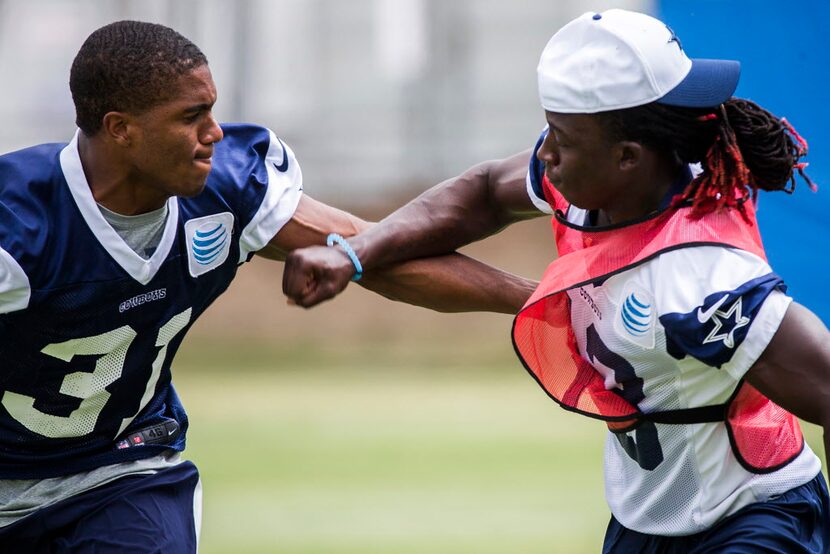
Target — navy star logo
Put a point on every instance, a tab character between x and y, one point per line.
722	320
674	38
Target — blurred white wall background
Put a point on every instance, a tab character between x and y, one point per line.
373	95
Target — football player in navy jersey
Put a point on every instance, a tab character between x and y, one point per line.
661	315
111	246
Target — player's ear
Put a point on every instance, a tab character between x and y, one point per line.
116	126
629	154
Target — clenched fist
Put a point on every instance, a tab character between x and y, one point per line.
315	274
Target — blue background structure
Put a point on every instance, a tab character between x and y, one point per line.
783	48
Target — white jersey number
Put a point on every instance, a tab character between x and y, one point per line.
91	387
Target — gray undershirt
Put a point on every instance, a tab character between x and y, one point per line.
22	497
141	232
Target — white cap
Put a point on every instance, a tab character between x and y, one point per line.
620	59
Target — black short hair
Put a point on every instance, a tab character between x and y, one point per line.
128	66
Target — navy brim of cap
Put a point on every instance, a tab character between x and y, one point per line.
708	84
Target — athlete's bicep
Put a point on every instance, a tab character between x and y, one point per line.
311	223
509	189
794	370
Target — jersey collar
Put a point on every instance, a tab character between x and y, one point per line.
137	267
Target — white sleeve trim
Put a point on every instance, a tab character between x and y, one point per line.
764	326
540	204
15	290
280	201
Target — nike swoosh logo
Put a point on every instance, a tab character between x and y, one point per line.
283	167
703	317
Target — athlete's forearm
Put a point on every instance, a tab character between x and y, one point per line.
451	283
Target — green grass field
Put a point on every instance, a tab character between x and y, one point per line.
333	449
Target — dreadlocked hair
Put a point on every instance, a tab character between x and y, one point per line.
741	147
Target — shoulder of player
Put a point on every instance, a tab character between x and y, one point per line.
243	140
708	261
29	181
246	163
242	154
681	278
30	170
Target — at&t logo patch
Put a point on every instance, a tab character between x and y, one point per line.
635	319
208	242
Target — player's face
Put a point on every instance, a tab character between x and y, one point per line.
581	162
173	141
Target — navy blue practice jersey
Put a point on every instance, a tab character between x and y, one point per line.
88	328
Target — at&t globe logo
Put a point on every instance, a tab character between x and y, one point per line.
209	240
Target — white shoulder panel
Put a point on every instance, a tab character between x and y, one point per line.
14	285
285	187
686	276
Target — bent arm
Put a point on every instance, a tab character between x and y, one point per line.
458	211
449	283
452	283
461	210
794	370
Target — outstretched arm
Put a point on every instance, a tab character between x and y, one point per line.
794	370
477	203
449	283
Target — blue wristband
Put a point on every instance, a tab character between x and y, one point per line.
333	239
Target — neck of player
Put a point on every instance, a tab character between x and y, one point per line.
114	185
